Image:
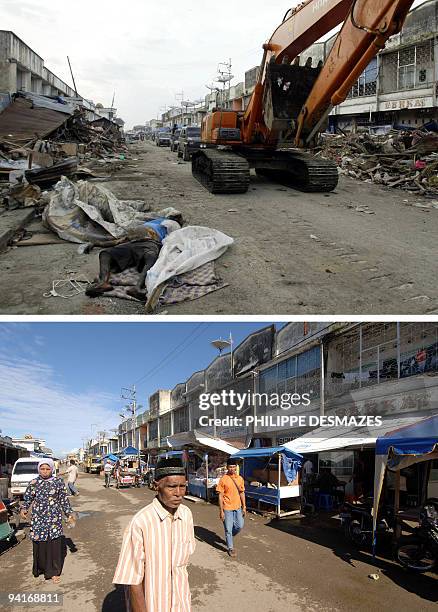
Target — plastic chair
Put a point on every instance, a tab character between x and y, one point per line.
325	502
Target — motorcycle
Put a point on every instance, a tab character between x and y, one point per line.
357	521
9	519
419	552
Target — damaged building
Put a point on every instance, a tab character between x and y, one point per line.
346	369
399	84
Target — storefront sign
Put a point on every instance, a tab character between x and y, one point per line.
410	103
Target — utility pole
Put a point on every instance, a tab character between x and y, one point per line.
130	394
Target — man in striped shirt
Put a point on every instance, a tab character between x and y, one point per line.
156	547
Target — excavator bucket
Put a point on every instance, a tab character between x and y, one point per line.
287	88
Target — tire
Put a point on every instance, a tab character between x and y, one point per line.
117	485
416	557
355	533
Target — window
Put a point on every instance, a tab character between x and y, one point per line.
153	430
165	426
366	85
377	352
298	374
341	463
407	68
181	420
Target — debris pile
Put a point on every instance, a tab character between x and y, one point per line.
43	139
406	160
100	138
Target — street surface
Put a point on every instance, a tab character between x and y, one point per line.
289	565
294	253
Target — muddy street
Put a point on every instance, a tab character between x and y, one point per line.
288	564
361	249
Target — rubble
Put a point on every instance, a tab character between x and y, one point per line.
406	160
43	139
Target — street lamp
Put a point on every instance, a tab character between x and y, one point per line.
221	344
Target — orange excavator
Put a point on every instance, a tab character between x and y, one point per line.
290	103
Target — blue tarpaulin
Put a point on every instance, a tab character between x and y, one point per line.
417	439
400	448
110	458
258	459
129	450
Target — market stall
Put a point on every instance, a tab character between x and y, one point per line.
128	467
271	479
205	458
400	449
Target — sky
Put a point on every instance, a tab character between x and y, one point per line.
145	51
62	381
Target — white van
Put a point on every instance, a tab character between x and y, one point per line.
24	470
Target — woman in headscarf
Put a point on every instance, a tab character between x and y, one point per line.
47	496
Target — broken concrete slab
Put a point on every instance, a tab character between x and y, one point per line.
11	222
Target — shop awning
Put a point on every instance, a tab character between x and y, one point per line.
345	438
401	447
129	450
110	457
268	451
197	439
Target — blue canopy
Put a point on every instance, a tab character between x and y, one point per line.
129	450
266	452
417	439
258	459
400	448
110	457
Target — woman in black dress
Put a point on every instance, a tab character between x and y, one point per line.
47	497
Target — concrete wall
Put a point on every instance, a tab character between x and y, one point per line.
22	68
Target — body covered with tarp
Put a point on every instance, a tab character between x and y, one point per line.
185	250
401	448
270	474
86	212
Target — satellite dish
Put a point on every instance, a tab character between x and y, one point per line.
221	344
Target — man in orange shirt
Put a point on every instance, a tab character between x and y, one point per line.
231	489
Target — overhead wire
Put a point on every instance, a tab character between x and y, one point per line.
174	352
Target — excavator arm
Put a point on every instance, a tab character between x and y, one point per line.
273	107
364	33
291	101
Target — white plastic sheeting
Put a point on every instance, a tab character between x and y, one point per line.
184	250
197	439
87	212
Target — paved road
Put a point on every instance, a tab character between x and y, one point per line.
294	253
290	565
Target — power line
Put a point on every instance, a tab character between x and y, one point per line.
170	357
171	354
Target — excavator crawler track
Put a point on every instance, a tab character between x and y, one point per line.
304	172
221	171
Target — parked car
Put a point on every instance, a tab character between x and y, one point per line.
25	469
174	140
189	142
162	138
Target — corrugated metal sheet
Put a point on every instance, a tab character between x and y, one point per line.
40	101
20	122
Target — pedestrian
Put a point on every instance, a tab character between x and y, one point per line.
157	545
107	470
72	472
47	497
307	471
232	504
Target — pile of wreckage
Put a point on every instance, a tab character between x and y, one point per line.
400	158
43	138
43	146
